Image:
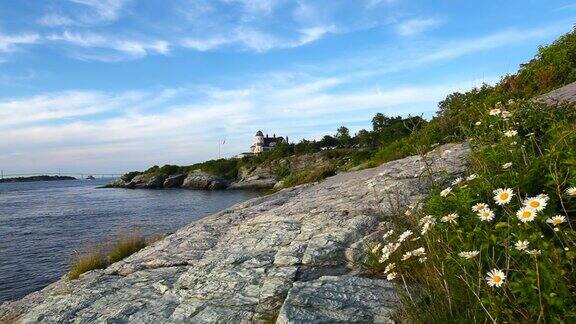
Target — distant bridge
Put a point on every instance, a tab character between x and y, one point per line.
79	175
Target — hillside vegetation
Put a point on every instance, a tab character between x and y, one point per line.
497	244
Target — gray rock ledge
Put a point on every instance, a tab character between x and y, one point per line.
289	257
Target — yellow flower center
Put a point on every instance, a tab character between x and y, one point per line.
497	279
526	214
534	204
504	196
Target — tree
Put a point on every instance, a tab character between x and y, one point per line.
365	138
343	136
327	141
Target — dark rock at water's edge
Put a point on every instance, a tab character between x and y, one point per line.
174	181
37	178
196	179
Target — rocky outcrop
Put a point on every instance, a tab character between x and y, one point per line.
174	181
564	95
254	183
289	257
199	179
147	181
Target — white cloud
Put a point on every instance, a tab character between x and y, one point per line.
416	26
130	48
9	43
54	20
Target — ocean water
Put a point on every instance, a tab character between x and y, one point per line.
43	223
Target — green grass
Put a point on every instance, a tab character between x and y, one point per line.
308	176
99	256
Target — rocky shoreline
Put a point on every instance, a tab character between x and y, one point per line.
196	179
290	257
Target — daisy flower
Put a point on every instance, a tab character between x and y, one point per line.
534	252
544	196
511	133
536	203
468	254
521	245
526	214
406	256
387	234
390	267
450	218
494	112
419	252
445	192
495	278
422	259
503	196
571	191
479	206
478	123
486	215
506	165
376	248
471	177
404	235
506	114
456	181
556	220
391	276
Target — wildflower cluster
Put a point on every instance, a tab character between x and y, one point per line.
499	242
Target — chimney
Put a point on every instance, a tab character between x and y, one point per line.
266	135
274	135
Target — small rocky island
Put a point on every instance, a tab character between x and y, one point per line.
37	178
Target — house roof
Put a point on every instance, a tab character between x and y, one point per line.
259	133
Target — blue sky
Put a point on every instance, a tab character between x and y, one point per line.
116	85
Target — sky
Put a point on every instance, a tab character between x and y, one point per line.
109	86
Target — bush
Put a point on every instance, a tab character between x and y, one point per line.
483	250
308	176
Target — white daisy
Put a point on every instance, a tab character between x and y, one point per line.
445	192
556	220
468	254
536	203
571	191
494	112
389	267
478	123
534	252
404	235
506	114
486	215
456	181
376	247
526	214
391	276
510	133
506	165
422	259
479	206
503	196
521	245
406	256
471	177
495	278
419	252
450	218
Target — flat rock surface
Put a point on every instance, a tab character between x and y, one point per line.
239	265
564	95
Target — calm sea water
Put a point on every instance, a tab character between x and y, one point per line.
42	223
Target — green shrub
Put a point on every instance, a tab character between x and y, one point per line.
308	176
